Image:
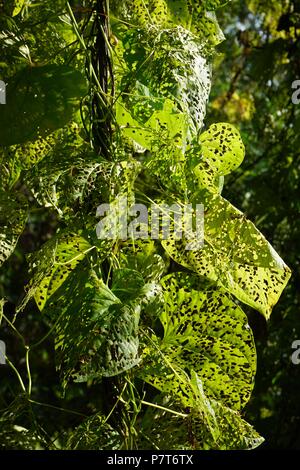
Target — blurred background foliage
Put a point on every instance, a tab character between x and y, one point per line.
253	75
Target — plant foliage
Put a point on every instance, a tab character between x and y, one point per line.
156	327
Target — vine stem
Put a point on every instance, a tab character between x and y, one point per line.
28	370
80	39
57	408
27	348
58	263
17	373
182	415
14	329
115	405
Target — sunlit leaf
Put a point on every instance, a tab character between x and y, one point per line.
203	331
18	7
53	263
236	256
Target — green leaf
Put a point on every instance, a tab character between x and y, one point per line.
164	431
235	432
74	179
39	101
78	178
94	434
208	425
216	153
167	122
18	7
96	334
15	437
13	216
52	265
25	156
13	434
169	13
235	255
141	256
169	64
127	284
215	426
215	314
206	332
222	148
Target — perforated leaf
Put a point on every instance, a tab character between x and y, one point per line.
204	309
167	64
73	179
163	430
167	123
96	334
73	182
126	284
235	432
14	435
164	134
13	216
207	425
52	264
79	178
215	426
190	14
10	170
25	156
141	256
61	142
222	148
30	153
167	431
131	287
206	332
235	255
94	434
